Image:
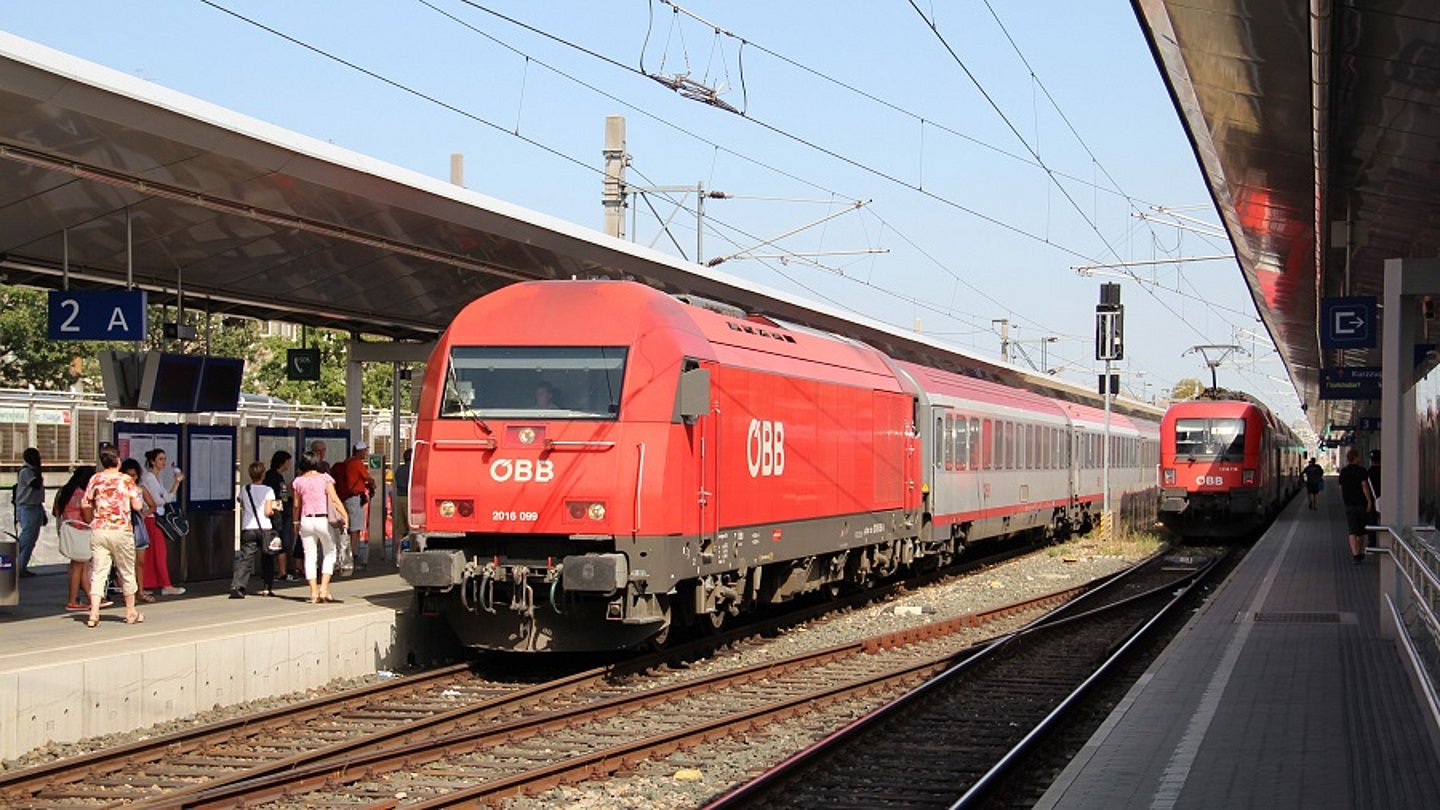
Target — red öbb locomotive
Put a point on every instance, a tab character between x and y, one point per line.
1226	466
596	461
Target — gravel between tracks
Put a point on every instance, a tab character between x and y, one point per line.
689	778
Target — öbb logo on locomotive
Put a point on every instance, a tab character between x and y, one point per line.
522	470
765	448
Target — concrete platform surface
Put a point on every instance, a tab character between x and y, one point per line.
1279	693
62	681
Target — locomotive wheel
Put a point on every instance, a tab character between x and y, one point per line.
658	641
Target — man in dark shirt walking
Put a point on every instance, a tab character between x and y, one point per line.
1314	479
1359	502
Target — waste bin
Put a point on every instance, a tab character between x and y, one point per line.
9	570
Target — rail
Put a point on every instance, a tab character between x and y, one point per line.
1414	605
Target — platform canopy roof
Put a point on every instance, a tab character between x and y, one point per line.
1317	127
125	182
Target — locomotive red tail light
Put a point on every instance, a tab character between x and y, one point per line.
465	507
579	510
1249	478
1169	476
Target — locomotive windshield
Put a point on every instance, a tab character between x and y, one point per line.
1210	438
533	382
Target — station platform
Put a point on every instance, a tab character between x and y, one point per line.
62	681
1280	692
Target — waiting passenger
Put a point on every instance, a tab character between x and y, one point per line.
314	498
66	509
1359	502
257	505
157	561
109	499
283	521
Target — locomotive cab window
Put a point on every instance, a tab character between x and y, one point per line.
1210	438
533	382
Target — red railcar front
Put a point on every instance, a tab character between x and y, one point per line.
1216	474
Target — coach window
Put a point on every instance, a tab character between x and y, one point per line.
949	439
939	440
991	441
962	443
974	443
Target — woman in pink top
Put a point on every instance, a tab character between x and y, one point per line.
109	498
314	497
67	508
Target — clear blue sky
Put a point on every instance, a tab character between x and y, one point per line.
990	236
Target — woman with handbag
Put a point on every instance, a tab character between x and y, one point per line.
257	505
157	563
75	536
316	508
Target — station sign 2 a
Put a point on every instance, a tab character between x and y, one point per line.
96	315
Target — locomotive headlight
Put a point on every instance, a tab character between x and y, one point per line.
447	509
1249	478
527	435
596	511
1170	476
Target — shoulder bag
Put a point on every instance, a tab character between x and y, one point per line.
173	523
75	540
269	538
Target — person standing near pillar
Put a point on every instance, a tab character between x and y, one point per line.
29	498
402	498
1359	502
1374	478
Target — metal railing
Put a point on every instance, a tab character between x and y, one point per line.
67	426
1415	606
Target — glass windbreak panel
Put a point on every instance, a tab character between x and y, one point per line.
1210	438
534	382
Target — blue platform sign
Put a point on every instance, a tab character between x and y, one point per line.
1349	323
1352	382
103	315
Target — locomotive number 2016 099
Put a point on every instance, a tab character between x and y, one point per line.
503	515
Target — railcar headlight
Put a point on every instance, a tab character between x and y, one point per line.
596	511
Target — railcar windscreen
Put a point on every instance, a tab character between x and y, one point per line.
533	382
1210	438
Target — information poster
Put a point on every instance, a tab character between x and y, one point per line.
211	475
134	440
269	441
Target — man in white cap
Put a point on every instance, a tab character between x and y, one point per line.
355	487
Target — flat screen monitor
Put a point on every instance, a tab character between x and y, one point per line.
220	384
122	373
171	382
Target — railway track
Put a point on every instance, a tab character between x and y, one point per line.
171	768
953	739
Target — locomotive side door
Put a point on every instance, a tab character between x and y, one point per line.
698	410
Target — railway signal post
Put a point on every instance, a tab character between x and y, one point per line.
1109	346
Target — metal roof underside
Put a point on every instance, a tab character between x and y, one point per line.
257	221
1306	116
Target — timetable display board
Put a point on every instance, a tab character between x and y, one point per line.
134	440
270	440
210	478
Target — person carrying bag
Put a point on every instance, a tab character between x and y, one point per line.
257	535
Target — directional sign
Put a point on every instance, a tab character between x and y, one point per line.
105	315
302	364
1368	423
1352	382
1348	323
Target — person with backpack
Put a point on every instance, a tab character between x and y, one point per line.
29	500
